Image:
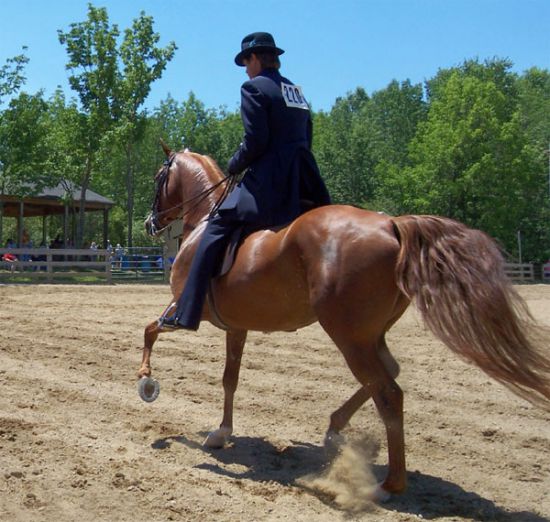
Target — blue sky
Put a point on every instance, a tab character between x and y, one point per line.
332	46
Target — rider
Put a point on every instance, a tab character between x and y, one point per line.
281	178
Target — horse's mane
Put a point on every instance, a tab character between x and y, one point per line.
205	173
205	163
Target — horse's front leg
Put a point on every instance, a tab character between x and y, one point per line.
234	342
150	336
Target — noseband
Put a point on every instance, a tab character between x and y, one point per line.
161	182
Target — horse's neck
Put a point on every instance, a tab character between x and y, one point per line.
198	176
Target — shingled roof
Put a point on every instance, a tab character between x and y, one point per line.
51	201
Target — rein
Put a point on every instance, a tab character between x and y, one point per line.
195	200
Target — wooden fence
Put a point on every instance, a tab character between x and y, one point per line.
520	272
53	264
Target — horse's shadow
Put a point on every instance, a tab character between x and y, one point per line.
427	496
258	459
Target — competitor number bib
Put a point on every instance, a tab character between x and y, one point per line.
293	96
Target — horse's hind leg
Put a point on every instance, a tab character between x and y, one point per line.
374	373
340	418
389	402
234	343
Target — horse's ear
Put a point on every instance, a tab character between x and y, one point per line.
165	148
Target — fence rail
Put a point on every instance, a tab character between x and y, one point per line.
48	265
51	264
140	263
520	272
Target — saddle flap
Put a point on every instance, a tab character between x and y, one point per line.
231	251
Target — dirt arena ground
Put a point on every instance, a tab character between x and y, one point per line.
77	443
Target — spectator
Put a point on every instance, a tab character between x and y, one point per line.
10	258
41	258
26	243
119	254
93	247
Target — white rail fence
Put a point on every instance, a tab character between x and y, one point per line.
50	264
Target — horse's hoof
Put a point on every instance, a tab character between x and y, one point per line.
148	389
217	439
380	495
333	443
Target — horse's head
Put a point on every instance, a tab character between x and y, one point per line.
187	180
166	205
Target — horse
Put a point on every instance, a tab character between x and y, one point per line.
355	272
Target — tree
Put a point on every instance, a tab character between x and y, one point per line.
394	113
91	46
339	144
391	119
11	75
215	132
534	101
471	158
143	63
23	150
111	97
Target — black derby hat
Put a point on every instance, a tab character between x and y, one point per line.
256	42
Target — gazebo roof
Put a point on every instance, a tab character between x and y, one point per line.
51	201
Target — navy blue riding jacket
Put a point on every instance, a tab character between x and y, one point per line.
282	179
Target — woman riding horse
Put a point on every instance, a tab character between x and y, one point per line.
280	170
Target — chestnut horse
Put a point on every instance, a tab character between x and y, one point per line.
355	272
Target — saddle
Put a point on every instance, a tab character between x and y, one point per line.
231	251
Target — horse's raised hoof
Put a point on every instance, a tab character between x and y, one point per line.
217	439
148	389
333	443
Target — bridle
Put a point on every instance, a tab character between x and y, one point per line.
161	181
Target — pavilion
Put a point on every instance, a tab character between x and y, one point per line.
64	199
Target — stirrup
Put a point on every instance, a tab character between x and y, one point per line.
168	319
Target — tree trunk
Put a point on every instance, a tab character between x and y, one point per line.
130	191
85	182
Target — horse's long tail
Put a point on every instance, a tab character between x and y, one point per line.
456	275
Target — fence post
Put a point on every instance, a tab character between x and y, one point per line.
108	271
49	267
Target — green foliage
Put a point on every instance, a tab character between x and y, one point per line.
341	147
24	130
11	75
471	159
534	105
92	50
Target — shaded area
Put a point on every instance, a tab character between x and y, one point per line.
427	496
